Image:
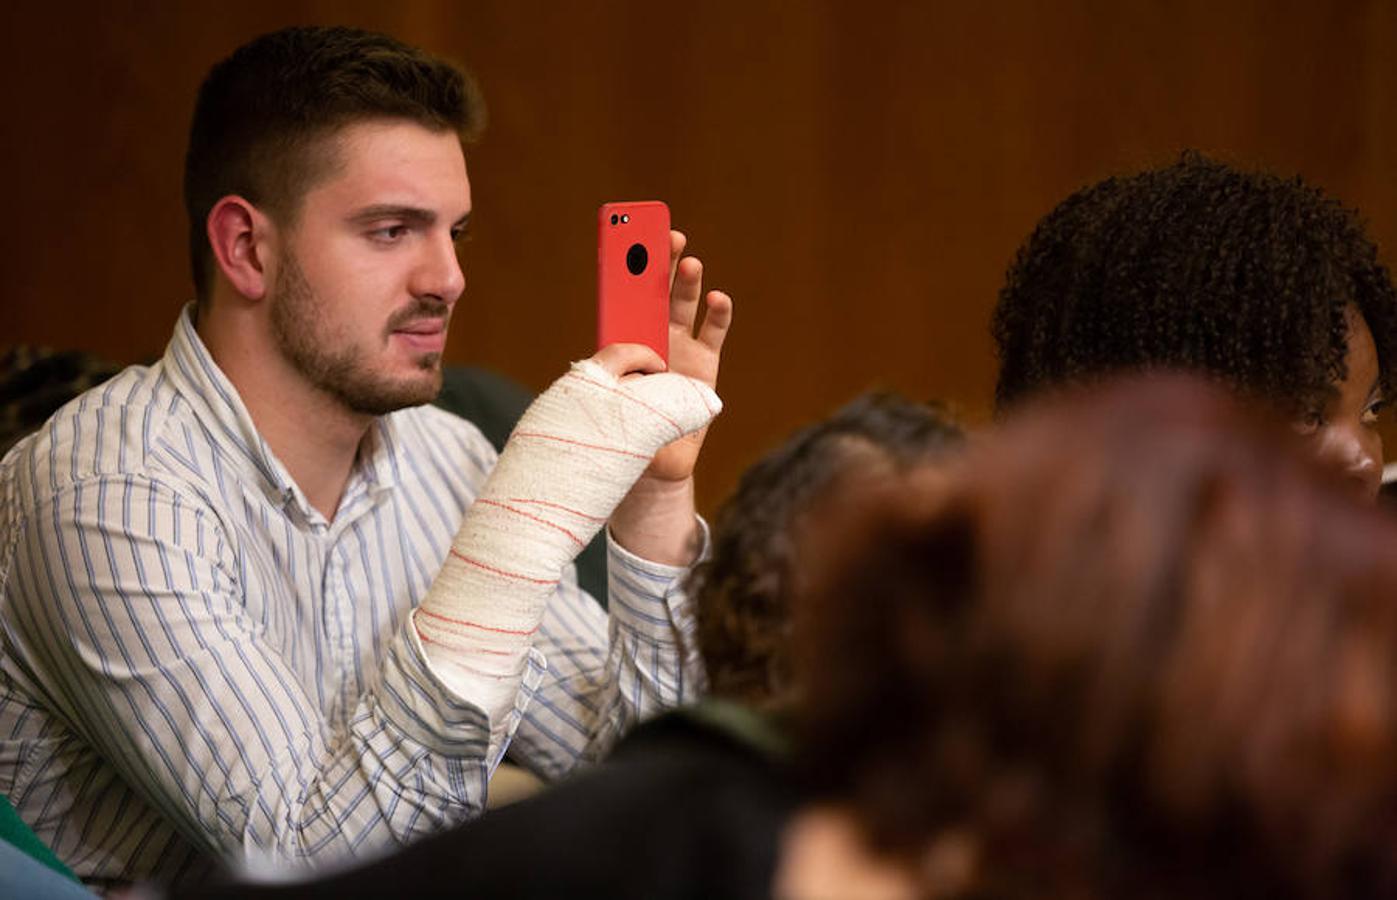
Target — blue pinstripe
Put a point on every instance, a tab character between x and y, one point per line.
193	664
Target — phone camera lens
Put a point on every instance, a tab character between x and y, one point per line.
613	218
625	219
637	258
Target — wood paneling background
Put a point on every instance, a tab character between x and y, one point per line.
856	174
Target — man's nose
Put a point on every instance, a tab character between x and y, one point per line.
439	272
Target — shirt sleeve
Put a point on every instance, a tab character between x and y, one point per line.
124	599
607	670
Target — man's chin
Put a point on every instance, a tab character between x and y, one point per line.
423	388
383	397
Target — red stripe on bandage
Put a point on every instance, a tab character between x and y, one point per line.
562	440
566	509
423	611
515	575
542	521
632	398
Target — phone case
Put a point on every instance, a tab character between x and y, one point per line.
633	275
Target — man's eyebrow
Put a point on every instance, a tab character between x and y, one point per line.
461	223
393	211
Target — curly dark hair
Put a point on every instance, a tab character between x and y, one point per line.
1143	646
740	593
1244	276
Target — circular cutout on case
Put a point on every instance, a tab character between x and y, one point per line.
637	258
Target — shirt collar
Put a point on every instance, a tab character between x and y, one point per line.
378	454
191	368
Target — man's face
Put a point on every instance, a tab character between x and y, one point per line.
368	274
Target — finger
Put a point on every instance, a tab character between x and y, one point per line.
627	359
685	293
717	319
677	243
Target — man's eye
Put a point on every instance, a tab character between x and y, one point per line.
1373	412
389	234
460	235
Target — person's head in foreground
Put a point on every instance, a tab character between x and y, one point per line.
1143	647
1262	282
742	592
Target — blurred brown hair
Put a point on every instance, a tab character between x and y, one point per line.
1143	650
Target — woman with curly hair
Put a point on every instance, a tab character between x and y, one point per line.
742	591
1263	282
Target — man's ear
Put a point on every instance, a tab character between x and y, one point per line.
241	238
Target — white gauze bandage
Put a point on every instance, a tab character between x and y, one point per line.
576	452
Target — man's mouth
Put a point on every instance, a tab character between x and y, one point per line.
424	335
423	326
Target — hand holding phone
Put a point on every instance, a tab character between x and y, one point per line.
633	247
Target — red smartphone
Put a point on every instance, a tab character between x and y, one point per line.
633	275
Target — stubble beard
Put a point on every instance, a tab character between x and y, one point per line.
298	319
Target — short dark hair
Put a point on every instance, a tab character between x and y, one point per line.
263	113
740	593
1243	276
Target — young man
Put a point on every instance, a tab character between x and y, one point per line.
239	616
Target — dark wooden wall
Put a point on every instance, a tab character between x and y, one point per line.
856	174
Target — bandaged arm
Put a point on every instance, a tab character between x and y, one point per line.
572	458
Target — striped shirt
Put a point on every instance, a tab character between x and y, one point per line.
196	663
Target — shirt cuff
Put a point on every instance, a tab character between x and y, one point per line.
425	706
661	569
648	598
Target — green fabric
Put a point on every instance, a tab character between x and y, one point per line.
493	404
14	831
758	731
